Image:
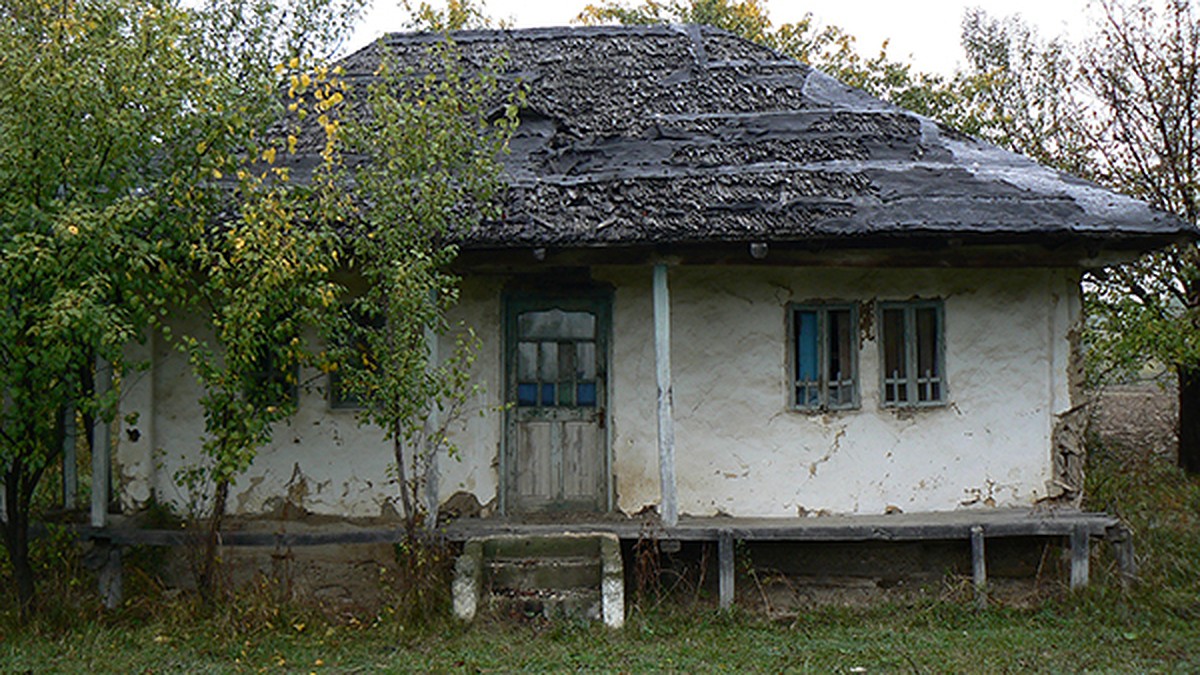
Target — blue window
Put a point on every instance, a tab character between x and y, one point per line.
824	356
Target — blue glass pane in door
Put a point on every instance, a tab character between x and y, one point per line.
548	394
527	393
585	396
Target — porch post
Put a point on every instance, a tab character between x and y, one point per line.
666	423
102	450
70	477
433	442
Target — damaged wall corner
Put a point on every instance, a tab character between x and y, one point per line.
1068	440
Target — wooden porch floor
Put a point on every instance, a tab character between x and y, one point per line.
970	526
894	527
973	526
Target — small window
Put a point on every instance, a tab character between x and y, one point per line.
351	345
274	381
912	353
824	356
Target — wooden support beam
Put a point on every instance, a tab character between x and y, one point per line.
102	452
1080	550
666	422
111	576
978	566
1121	540
433	441
725	570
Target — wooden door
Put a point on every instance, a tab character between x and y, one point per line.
556	454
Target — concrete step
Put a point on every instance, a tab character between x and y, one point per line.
530	574
577	604
576	575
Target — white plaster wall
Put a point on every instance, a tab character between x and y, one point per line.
321	459
740	449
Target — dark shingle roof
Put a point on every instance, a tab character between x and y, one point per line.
687	134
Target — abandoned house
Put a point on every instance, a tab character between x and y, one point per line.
732	292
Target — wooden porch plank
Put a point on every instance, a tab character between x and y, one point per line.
905	527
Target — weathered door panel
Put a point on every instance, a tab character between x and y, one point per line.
556	455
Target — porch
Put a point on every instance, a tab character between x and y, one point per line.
973	528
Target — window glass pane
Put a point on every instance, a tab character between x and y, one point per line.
547	395
806	349
927	347
586	395
585	360
893	344
527	361
840	332
527	393
554	324
548	361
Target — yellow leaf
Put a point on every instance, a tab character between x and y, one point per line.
291	140
294	62
216	174
269	155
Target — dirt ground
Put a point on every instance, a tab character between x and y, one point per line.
1140	415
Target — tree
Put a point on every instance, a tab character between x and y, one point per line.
1122	108
118	121
431	172
258	256
88	119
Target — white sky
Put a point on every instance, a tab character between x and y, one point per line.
924	32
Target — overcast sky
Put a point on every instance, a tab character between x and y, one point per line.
925	31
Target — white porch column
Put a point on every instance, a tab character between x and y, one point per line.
666	421
102	449
433	441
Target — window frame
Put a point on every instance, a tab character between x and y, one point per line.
267	374
335	395
822	308
911	382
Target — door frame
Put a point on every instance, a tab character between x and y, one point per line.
597	299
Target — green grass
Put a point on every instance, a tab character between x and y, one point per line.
1073	636
1153	628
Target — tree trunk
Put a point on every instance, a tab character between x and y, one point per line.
1189	417
208	569
406	499
16	541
